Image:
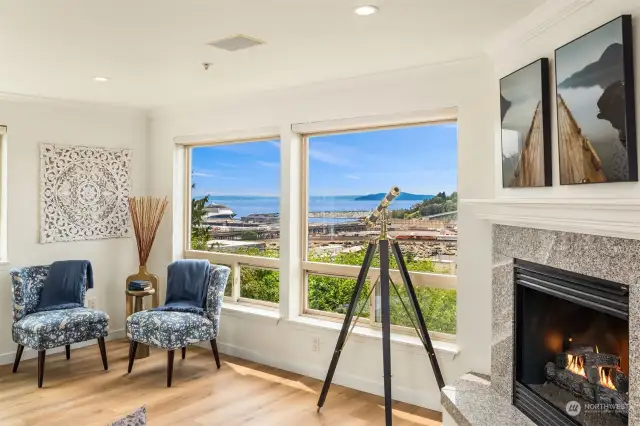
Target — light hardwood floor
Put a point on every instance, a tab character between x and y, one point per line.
79	392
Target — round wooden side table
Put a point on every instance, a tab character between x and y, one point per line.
138	296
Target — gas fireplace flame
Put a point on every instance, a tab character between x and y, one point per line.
605	378
575	364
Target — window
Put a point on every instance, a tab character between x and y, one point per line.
234	216
347	176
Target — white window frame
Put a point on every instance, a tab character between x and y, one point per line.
292	265
234	261
419	279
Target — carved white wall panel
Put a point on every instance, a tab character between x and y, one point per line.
84	193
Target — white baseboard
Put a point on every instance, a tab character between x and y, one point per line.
9	357
352	381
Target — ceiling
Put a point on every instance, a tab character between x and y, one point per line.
152	50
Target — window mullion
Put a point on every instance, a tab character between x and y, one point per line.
235	294
290	225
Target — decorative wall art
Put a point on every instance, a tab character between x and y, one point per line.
84	193
596	111
525	100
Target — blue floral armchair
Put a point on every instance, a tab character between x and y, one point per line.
50	329
173	330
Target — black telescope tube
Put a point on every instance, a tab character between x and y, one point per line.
388	199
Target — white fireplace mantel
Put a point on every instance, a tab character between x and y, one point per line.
608	217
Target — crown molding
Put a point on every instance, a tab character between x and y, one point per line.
613	218
537	22
34	99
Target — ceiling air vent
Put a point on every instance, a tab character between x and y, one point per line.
236	42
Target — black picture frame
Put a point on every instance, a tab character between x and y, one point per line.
589	151
526	137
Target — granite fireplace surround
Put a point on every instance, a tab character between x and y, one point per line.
471	400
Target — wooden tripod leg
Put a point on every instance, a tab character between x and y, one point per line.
362	277
426	340
386	328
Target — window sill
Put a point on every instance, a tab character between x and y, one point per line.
239	310
244	310
447	349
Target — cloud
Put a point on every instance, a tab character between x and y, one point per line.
226	165
325	156
274	143
353	177
269	164
204	173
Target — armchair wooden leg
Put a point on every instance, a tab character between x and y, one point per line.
41	354
18	356
184	352
214	348
103	353
169	367
67	349
132	354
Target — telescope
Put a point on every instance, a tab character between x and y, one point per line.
384	246
388	199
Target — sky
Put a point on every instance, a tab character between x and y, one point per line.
420	160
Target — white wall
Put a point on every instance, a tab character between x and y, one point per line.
286	344
30	122
553	25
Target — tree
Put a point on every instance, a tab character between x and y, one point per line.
332	294
440	203
199	230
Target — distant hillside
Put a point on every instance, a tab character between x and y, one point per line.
441	203
404	196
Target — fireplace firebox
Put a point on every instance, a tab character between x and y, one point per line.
571	360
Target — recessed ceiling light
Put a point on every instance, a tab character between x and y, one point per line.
101	79
366	10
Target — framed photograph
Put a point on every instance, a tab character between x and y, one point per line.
596	106
525	104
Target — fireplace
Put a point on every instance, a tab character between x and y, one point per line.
571	352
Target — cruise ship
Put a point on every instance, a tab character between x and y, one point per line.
218	211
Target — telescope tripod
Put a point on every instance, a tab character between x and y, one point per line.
384	282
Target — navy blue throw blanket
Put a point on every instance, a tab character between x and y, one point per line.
63	286
187	286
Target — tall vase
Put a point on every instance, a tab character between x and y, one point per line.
143	275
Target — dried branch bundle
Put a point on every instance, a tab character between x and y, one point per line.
146	214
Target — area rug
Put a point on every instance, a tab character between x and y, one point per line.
137	418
